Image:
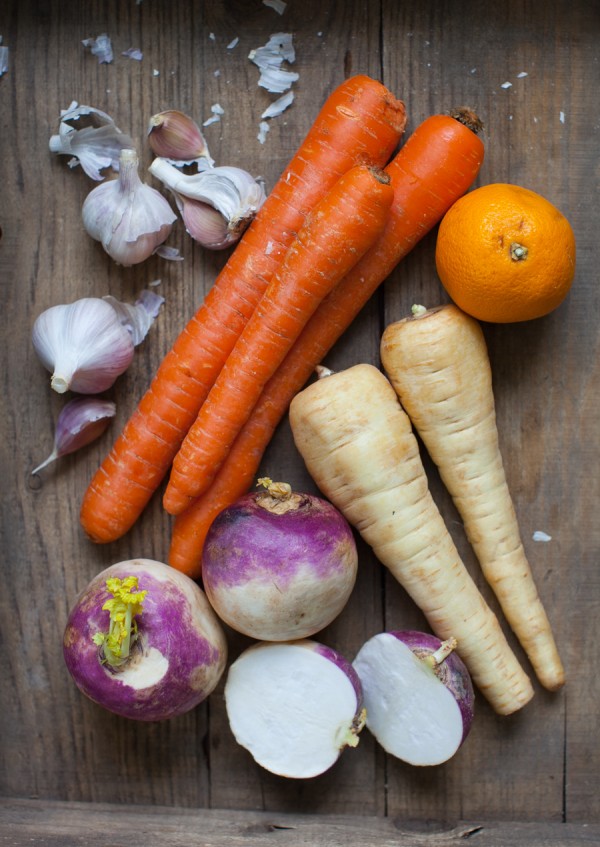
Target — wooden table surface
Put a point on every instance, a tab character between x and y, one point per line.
541	131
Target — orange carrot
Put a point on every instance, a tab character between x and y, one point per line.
361	122
443	147
335	235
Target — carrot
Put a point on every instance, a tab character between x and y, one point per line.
361	122
434	167
438	363
359	447
334	236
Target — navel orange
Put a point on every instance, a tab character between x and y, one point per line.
505	254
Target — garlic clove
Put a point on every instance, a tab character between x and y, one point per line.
83	345
128	217
174	135
231	191
205	224
80	422
91	137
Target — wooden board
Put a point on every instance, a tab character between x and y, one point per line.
70	824
541	132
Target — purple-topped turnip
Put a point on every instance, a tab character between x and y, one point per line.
294	706
143	641
278	565
418	695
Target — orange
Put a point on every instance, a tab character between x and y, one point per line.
505	254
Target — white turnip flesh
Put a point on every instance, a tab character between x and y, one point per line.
295	706
279	565
418	695
158	653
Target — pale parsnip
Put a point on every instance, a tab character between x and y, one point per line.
359	447
438	363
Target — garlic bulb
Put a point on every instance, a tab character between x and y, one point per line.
94	146
83	344
80	422
216	204
129	218
175	136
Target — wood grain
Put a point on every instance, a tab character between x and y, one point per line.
541	132
46	824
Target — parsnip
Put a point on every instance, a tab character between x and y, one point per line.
359	447
438	363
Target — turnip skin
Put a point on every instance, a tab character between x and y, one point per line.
181	644
279	574
452	671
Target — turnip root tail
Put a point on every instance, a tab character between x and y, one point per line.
438	363
359	447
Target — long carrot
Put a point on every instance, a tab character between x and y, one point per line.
361	122
434	167
359	447
334	236
438	363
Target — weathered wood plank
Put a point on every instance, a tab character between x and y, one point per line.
40	824
541	132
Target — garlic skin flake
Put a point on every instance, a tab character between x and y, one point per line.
83	344
80	422
139	317
95	146
3	58
216	205
270	57
100	47
128	217
279	106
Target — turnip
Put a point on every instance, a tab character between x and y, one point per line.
418	695
295	706
143	641
279	565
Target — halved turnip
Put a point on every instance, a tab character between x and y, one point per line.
418	695
143	641
279	565
294	706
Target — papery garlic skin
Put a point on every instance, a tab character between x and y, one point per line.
232	192
80	422
83	344
95	147
137	318
100	47
129	218
270	57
